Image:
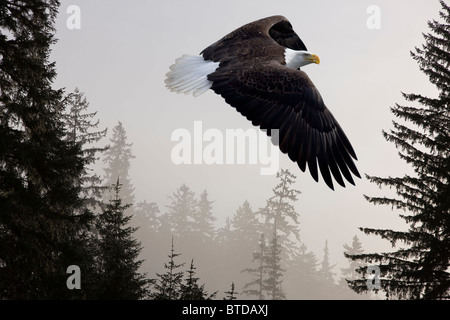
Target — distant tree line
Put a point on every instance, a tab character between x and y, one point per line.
259	251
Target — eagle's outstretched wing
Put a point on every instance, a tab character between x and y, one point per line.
272	96
248	69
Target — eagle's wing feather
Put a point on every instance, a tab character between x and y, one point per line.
275	97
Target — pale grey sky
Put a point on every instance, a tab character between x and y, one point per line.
120	56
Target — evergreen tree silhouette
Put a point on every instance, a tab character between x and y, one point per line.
257	286
268	274
118	161
181	213
224	234
246	228
203	219
42	230
280	214
81	129
326	273
420	270
301	277
350	273
231	295
145	214
167	285
273	282
191	290
355	249
328	286
118	253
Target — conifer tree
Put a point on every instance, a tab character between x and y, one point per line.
302	278
349	273
245	225
203	219
167	285
355	249
326	273
231	295
118	253
273	282
118	160
42	232
224	234
420	269
256	287
280	214
181	213
327	286
191	290
146	215
81	128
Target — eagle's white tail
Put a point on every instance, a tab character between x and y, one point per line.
189	75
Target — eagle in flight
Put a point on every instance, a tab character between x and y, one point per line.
256	69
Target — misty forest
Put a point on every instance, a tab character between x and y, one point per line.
67	199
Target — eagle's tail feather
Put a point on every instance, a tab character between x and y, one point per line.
189	75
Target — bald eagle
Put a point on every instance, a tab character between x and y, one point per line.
256	69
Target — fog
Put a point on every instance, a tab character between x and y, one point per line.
119	58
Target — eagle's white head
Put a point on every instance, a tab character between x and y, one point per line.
296	59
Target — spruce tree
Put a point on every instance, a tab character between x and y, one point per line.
118	253
231	295
42	232
420	269
274	280
246	227
146	215
256	287
82	129
224	234
203	219
118	160
326	273
191	290
280	214
301	276
355	249
350	273
328	288
181	213
167	285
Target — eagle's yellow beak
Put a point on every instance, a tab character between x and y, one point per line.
313	59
